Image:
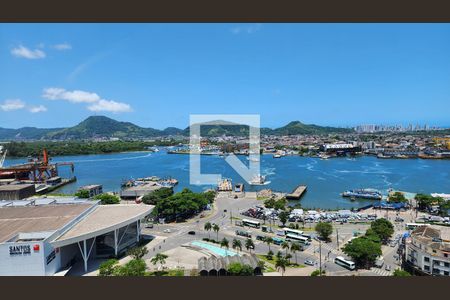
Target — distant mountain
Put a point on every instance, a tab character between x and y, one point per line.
100	126
104	127
297	127
25	133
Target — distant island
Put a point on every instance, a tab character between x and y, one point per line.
98	127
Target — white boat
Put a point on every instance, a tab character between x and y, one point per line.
259	180
276	156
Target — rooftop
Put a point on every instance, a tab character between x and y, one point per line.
26	219
14	187
104	219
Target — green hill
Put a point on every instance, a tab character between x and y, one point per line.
104	127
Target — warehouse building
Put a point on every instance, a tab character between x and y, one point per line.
16	191
48	237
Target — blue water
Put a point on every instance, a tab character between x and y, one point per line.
325	179
214	249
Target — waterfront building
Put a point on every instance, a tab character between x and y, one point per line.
49	236
93	189
427	251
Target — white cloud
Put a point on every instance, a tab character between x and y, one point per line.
37	109
96	103
252	28
24	52
75	96
12	104
110	106
62	46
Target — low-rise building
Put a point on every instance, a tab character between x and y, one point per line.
427	251
93	189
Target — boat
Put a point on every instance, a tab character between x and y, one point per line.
225	185
259	180
363	194
167	182
324	156
276	156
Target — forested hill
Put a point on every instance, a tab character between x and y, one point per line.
104	127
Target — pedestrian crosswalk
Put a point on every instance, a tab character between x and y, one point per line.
376	272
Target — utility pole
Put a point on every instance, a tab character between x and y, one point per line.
337	238
231	217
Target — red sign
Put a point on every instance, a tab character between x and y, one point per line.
36	247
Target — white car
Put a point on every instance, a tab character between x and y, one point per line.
167	230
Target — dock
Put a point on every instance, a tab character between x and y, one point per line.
297	193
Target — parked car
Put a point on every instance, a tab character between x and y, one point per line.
388	267
191	232
167	230
309	262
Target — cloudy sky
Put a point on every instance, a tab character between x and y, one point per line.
155	75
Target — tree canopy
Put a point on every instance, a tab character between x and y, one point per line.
383	228
363	251
107	199
157	195
237	269
324	230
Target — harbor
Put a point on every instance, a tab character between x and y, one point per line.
325	179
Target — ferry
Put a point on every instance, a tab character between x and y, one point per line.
259	180
363	193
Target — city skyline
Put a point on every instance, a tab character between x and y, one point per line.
155	75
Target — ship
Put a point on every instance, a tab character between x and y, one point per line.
363	194
259	180
225	185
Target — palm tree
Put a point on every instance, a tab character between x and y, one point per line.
294	248
285	245
268	240
281	264
279	255
159	258
249	244
216	229
237	244
208	228
288	257
224	243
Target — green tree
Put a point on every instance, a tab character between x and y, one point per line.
283	216
157	195
317	273
280	204
269	203
268	240
237	244
383	228
397	197
294	248
137	252
400	273
224	243
363	251
281	264
159	258
216	229
208	228
135	267
107	199
285	246
269	255
108	268
324	230
237	269
82	194
249	244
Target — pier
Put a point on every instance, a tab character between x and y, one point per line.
297	193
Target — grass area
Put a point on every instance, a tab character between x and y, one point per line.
175	272
261	198
272	262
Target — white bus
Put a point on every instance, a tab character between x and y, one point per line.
344	262
412	226
292	232
297	238
251	223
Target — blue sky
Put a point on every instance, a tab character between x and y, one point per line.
155	75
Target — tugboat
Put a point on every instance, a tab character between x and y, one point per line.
363	194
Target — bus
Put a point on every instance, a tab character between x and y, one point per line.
296	238
344	263
251	223
308	236
292	232
277	241
412	226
